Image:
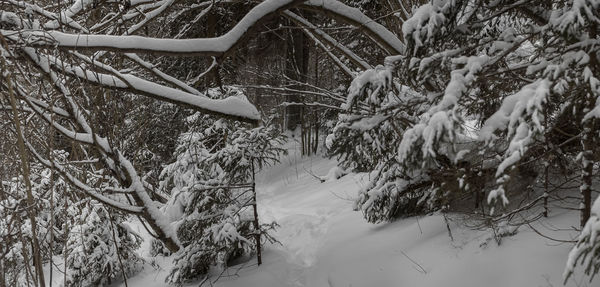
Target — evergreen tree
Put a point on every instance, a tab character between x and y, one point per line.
211	186
506	66
101	248
51	194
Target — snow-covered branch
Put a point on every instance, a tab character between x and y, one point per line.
218	46
232	107
381	35
84	187
324	37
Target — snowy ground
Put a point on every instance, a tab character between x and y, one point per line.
325	243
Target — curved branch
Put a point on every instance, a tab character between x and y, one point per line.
377	32
218	46
232	107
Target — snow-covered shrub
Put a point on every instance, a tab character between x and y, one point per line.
587	250
66	224
158	248
481	65
50	193
366	138
15	247
101	248
374	117
360	141
210	185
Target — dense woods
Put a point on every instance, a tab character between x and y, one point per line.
164	111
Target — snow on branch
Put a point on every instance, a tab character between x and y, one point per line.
574	18
439	121
113	159
195	80
57	20
324	37
377	32
217	46
425	22
140	8
157	219
186	28
522	115
377	80
232	107
82	186
79	137
587	250
594	84
150	15
12	19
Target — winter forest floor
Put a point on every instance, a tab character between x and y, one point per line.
326	243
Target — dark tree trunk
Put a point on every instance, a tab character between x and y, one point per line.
316	141
588	140
256	223
213	78
296	69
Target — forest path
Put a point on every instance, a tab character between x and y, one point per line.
325	243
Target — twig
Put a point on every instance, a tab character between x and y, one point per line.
546	236
448	227
414	262
314	175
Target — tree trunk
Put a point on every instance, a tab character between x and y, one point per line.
587	162
546	166
256	223
316	141
296	69
37	258
211	31
308	137
546	189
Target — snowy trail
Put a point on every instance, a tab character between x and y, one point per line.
326	244
303	206
305	209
